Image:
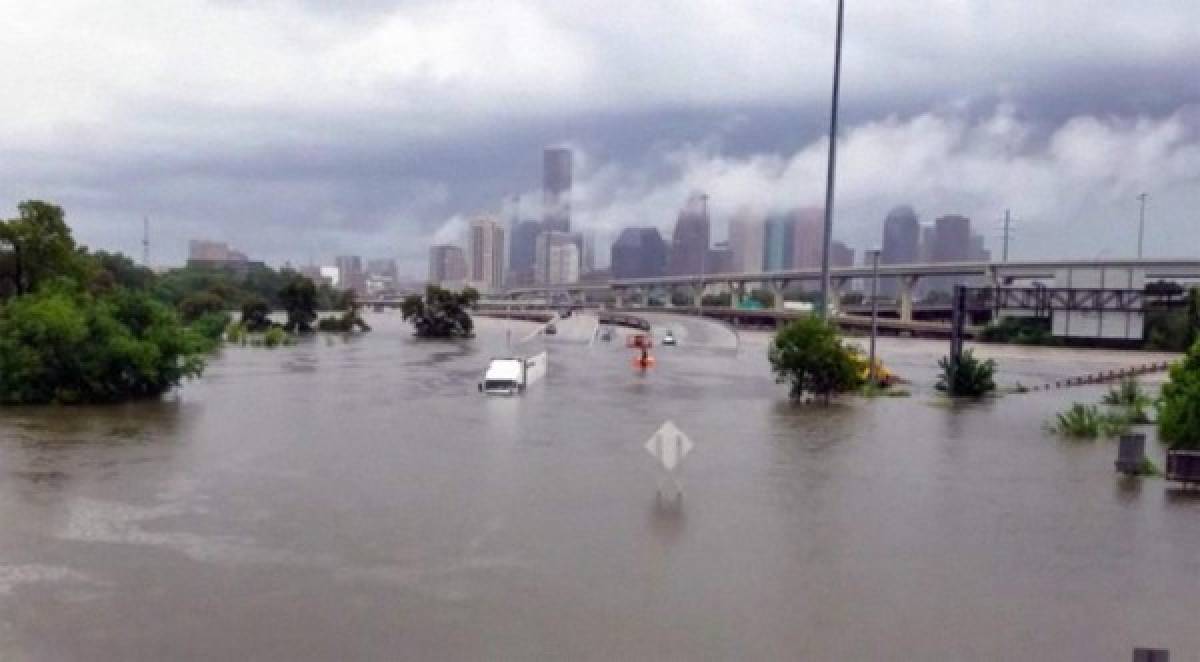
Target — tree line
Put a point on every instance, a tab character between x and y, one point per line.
83	326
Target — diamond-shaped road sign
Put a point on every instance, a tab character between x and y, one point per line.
669	445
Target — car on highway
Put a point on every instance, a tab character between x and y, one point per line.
605	334
550	330
669	338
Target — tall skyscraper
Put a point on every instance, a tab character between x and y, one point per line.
779	239
350	273
901	233
925	246
979	250
690	240
382	267
485	246
548	255
638	253
951	243
746	241
556	189
587	261
523	253
808	237
447	265
720	259
840	255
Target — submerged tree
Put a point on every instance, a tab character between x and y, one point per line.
441	313
349	320
809	355
255	314
299	300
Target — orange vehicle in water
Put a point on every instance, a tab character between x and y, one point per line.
643	342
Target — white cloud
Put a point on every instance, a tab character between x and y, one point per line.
1081	178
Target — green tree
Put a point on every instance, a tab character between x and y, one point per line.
195	306
299	300
971	377
808	354
40	247
61	344
256	315
120	271
349	320
1179	406
441	313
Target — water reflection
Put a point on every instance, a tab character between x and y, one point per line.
668	520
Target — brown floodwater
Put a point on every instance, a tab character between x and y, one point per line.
358	499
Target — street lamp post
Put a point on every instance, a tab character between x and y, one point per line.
874	314
1141	223
703	254
831	166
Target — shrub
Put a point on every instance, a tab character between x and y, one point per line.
1130	397
275	337
970	378
1080	421
1179	406
63	345
809	355
236	333
211	327
1088	422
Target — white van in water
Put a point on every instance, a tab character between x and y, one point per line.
510	376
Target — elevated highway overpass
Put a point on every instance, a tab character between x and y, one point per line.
637	290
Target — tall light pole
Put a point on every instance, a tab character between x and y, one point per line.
832	164
703	255
1007	233
1141	223
874	313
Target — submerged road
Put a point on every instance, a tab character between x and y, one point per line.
356	498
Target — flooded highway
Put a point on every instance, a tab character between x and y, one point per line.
357	498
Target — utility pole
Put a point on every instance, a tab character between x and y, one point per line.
703	254
1007	233
832	163
146	241
1141	222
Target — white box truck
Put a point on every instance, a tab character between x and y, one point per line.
510	376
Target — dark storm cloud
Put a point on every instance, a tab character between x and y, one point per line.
297	127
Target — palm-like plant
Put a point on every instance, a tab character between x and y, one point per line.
969	377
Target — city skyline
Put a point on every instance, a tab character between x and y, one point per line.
361	140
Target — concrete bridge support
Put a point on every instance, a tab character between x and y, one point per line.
777	287
837	288
697	291
737	293
908	287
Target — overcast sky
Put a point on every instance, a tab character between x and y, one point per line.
298	128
